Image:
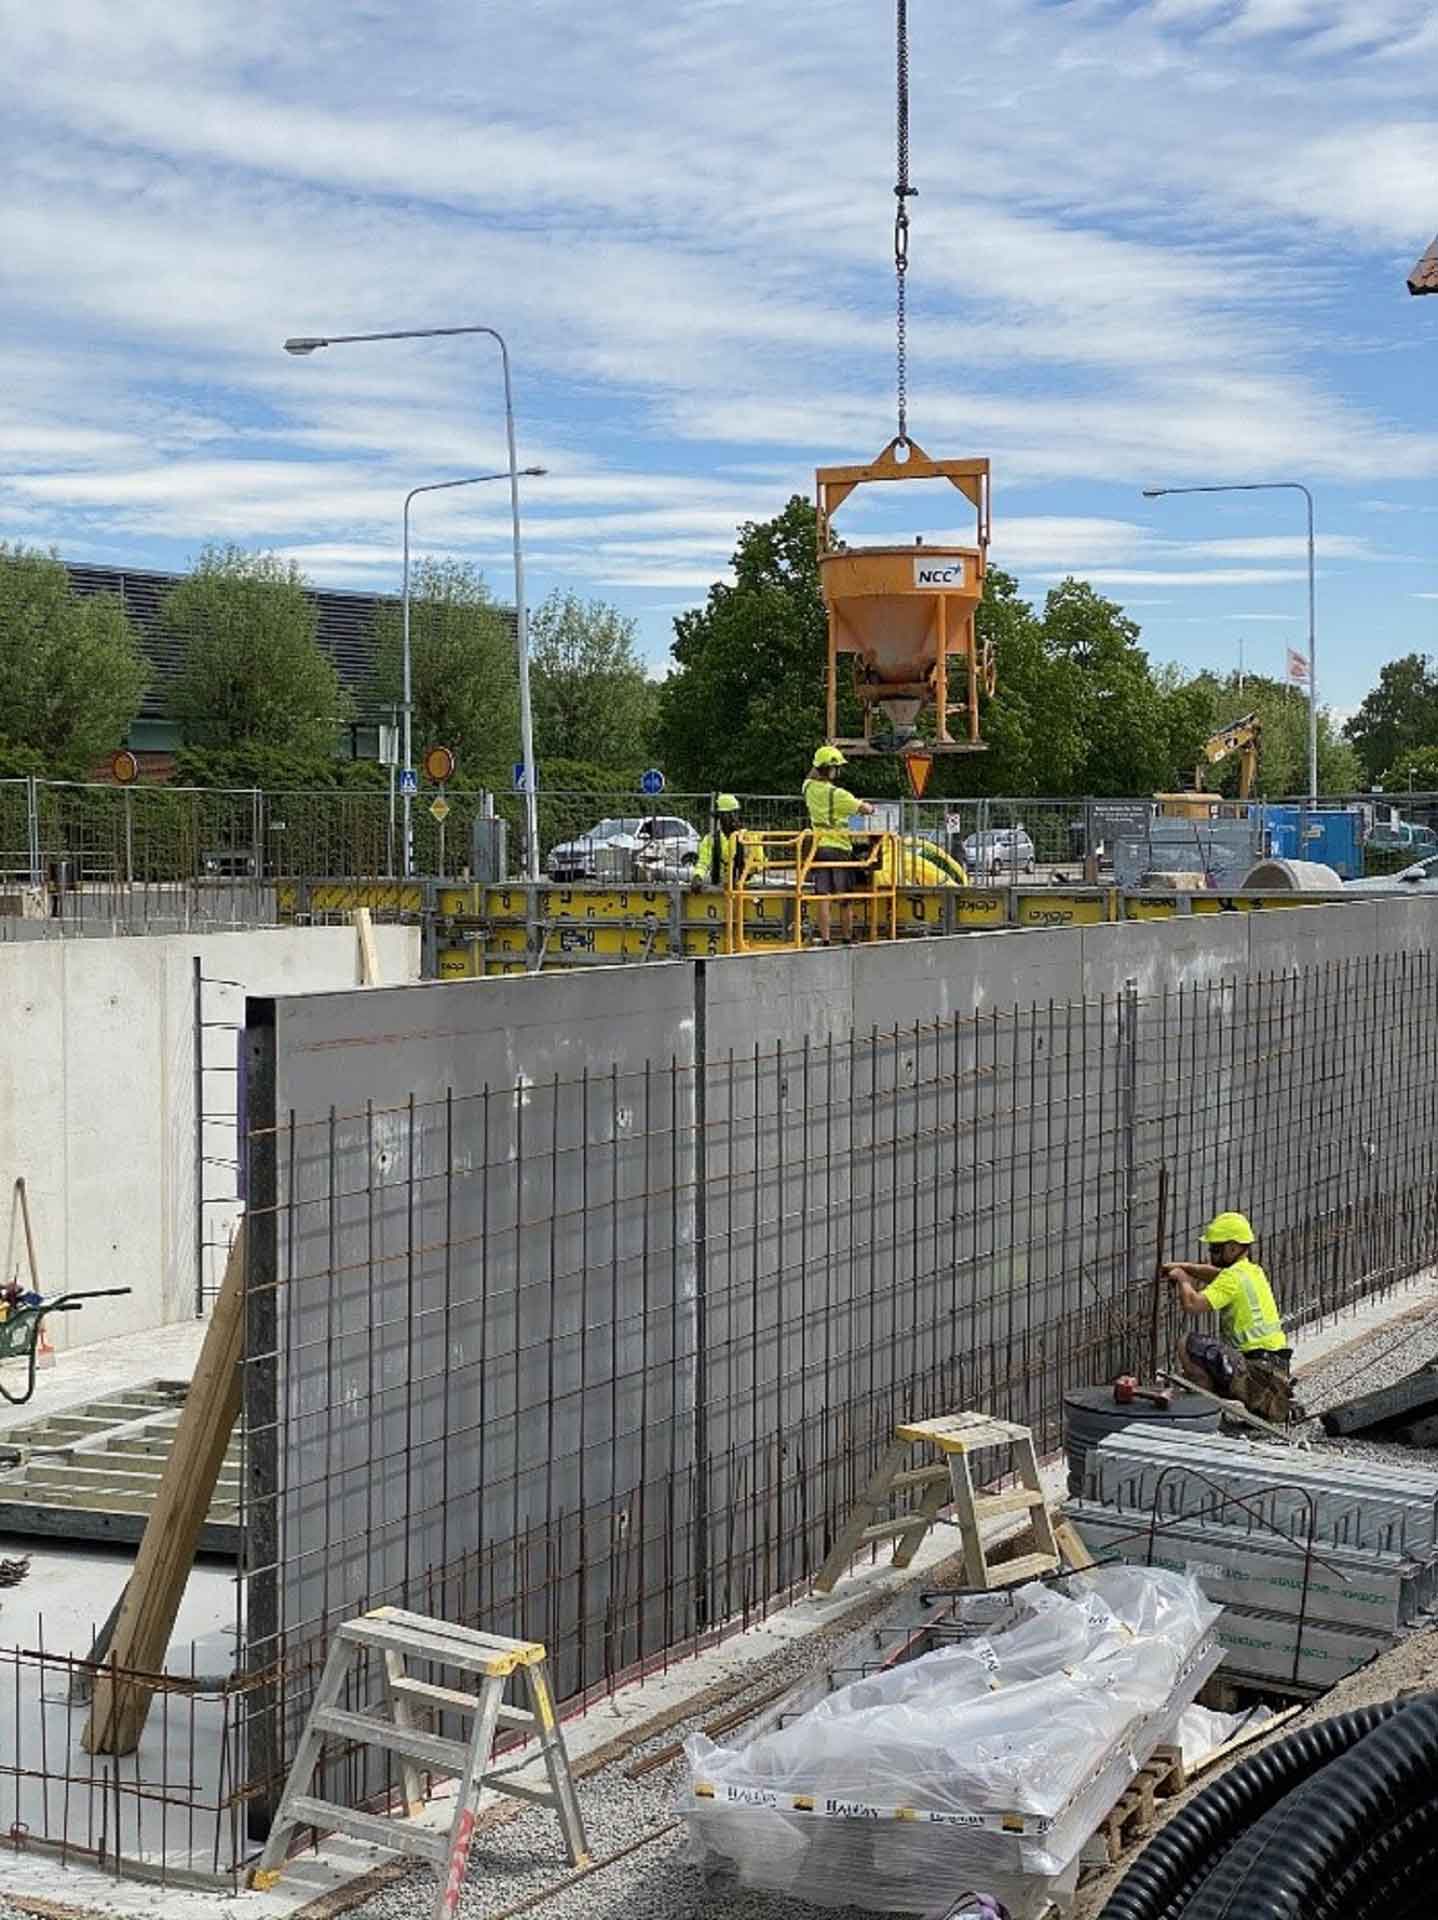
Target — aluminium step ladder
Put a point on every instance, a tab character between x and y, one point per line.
949	1482
399	1637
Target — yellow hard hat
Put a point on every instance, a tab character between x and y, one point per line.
828	757
1228	1229
726	803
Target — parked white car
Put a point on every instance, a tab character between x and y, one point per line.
1422	877
999	850
657	842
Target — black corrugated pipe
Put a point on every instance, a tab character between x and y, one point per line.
1190	1845
1282	1868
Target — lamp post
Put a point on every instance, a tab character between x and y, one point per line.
406	751
308	343
1279	486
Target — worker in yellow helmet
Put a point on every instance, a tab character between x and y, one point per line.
830	807
1251	1359
736	856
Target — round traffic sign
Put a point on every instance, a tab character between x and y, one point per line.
439	764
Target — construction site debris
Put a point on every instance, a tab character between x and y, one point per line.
12	1572
987	1763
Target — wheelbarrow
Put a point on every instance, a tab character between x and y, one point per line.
20	1330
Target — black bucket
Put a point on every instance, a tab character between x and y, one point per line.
1091	1414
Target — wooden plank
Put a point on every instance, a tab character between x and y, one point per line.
1066	1536
368	952
172	1534
1249	1736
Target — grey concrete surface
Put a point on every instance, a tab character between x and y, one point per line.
597	1291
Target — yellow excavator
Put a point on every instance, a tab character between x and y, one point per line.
1243	737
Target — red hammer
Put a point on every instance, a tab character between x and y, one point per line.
1126	1390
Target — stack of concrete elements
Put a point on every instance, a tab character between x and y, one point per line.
1320	1562
987	1762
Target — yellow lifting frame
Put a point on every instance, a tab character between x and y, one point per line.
794	853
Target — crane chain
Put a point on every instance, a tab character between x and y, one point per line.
903	193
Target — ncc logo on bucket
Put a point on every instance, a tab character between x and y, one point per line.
939	573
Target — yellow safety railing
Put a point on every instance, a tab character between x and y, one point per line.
874	864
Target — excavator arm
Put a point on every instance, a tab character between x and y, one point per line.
1243	737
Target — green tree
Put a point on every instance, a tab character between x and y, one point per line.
465	677
252	672
592	700
744	705
1283	751
71	671
1416	771
1399	715
1102	681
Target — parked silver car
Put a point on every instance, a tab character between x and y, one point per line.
999	850
655	841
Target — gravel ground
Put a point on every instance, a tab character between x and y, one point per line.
513	1863
523	1856
1380	1360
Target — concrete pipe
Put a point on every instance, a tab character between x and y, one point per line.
1291	876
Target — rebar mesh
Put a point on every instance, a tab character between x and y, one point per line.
606	1362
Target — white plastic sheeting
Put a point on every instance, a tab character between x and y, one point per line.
985	1764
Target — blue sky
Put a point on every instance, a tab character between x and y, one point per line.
1153	244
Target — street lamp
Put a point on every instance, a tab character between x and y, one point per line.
308	343
1279	486
407	712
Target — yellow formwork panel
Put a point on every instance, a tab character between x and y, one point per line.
379	899
575	903
614	943
1149	909
975	909
1058	910
458	963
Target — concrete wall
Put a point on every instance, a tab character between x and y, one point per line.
97	1103
598	1291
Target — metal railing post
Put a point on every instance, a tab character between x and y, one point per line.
32	809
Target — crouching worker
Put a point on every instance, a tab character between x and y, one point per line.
1250	1360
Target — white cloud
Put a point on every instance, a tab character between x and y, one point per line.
1135	282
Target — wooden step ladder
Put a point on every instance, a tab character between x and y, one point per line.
950	1482
399	1637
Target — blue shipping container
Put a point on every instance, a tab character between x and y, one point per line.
1332	835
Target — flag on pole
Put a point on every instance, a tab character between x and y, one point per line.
1297	669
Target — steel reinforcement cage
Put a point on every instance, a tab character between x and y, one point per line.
606	1361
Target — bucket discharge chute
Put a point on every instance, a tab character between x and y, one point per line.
905	614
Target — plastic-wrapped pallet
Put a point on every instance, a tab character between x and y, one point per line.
987	1763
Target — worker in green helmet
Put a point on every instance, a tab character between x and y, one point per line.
1250	1360
830	807
735	856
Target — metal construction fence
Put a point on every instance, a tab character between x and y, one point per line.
606	1362
101	858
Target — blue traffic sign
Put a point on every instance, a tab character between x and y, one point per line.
521	785
651	781
408	781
